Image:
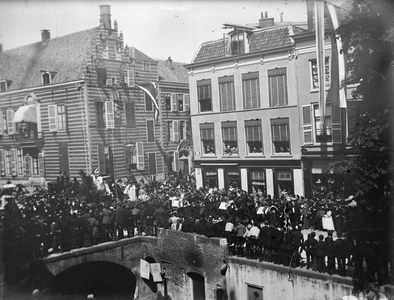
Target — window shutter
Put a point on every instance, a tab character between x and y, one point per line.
307	124
130	115
2	164
186	102
109	115
13	162
175	129
131	78
176	161
27	166
140	155
1	123
336	124
174	102
10	124
52	117
41	165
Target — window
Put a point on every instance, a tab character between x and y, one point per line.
152	163
36	165
315	75
150	130
105	49
130	78
251	90
61	118
277	83
169	131
46	78
8	162
130	115
207	138
176	130
229	136
148	103
146	66
280	135
182	131
257	178
284	181
204	95
180	102
3	122
174	102
109	114
20	161
10	125
237	43
167	97
3	86
2	162
101	73
186	102
313	131
226	93
254	137
100	115
140	155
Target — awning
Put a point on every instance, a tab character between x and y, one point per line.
27	113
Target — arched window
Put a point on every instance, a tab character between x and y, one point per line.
101	73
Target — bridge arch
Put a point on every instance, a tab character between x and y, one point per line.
60	266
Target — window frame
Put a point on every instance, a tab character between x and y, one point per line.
204	89
130	115
252	141
230	138
62	124
327	72
227	93
278	102
100	115
150	134
207	138
247	84
286	142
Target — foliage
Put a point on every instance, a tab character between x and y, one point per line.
367	35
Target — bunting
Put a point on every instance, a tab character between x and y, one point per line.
151	90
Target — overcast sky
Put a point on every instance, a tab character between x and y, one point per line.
158	28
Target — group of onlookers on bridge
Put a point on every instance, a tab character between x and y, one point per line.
255	225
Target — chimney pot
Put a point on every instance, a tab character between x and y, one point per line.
105	15
45	36
169	63
1	48
266	14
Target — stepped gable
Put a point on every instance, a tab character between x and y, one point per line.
261	39
64	55
172	72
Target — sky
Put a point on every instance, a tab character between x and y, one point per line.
160	29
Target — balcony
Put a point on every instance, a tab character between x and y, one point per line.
27	134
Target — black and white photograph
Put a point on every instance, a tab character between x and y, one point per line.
196	150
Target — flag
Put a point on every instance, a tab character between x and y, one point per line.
144	269
334	21
155	270
321	60
151	90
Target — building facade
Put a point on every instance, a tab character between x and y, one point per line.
255	111
73	103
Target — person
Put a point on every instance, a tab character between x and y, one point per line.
309	247
107	221
320	253
229	231
264	240
60	182
328	222
329	241
252	236
120	220
339	253
240	230
130	190
297	242
173	220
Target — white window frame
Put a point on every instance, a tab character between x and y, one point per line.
109	115
327	63
10	124
52	118
175	130
139	146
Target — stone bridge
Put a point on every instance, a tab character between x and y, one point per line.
192	266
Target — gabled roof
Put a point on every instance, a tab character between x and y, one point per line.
261	39
63	55
138	55
178	73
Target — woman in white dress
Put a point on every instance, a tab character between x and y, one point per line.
328	222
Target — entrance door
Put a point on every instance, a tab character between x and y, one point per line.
63	159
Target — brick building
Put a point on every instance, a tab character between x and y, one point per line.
72	103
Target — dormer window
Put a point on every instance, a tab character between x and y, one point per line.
3	86
237	43
47	77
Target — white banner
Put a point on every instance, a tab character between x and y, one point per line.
144	269
156	269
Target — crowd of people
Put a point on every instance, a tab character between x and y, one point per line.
73	214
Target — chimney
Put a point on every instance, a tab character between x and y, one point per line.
105	16
281	17
265	21
310	13
169	63
45	36
116	26
1	48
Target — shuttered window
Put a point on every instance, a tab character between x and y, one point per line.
2	125
277	83
307	124
109	114
152	163
226	93
130	115
2	162
140	155
28	165
186	102
251	90
52	118
175	126
204	95
20	162
100	115
13	162
254	136
130	78
62	118
10	125
174	102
